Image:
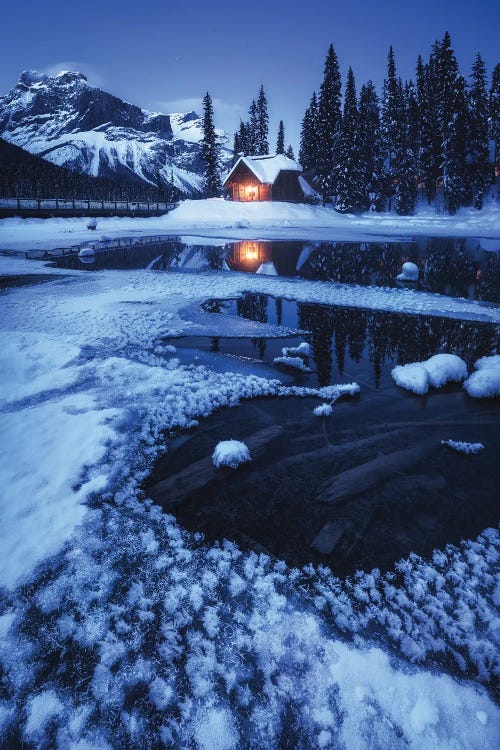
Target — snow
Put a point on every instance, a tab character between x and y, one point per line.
409	272
302	350
268	269
324	410
296	363
119	628
230	453
461	447
266	168
485	382
267	220
438	370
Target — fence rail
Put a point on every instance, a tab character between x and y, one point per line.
109	244
46	207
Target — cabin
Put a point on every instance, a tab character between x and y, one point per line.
268	178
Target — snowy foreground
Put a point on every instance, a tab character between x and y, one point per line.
219	218
120	630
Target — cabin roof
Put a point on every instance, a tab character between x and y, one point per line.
266	168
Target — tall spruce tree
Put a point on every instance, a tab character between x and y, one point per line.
349	170
253	129
494	117
429	157
308	151
290	153
280	142
405	168
329	120
478	151
371	147
452	119
391	123
262	132
210	150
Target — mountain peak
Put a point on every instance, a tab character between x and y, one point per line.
29	77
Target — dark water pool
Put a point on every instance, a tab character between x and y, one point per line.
401	491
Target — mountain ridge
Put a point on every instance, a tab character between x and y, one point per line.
71	123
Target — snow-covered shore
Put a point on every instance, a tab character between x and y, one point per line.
225	219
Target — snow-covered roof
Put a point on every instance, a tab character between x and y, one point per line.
307	189
267	168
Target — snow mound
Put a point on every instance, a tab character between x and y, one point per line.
230	453
413	377
296	363
436	372
461	447
302	350
323	410
485	382
409	272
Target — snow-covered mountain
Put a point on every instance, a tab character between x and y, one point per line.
73	124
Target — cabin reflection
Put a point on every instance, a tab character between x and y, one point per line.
249	255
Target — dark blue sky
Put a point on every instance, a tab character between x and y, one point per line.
164	55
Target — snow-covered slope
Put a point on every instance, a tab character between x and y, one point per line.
73	124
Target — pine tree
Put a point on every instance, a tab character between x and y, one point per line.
308	152
289	152
452	119
405	167
478	152
348	170
252	127
429	157
262	132
236	147
391	122
329	120
210	150
370	145
244	138
280	143
494	116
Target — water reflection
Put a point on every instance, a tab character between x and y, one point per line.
346	338
452	266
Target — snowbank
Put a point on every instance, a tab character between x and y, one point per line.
270	220
230	453
294	363
440	369
485	382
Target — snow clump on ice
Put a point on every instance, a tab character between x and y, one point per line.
230	453
409	272
296	363
436	372
302	350
461	447
485	382
324	410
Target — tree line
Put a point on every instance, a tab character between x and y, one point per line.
438	132
24	175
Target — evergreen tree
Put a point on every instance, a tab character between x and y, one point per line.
280	143
370	145
478	144
452	120
262	131
253	130
494	115
210	150
289	152
308	152
349	172
329	120
391	122
405	168
236	147
244	138
429	156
